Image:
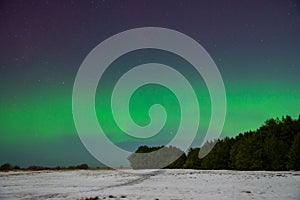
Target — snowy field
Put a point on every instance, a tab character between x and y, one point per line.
166	184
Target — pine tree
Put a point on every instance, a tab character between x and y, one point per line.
294	154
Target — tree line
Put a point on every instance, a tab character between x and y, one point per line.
8	167
273	146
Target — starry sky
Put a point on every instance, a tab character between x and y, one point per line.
255	44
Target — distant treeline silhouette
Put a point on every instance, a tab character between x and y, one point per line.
274	146
7	167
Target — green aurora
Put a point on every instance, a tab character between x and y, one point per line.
43	120
48	115
254	44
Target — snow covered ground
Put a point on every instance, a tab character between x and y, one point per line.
166	184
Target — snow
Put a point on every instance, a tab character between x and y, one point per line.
164	184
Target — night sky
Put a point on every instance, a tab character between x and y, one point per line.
255	44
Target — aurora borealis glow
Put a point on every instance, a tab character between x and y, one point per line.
255	45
